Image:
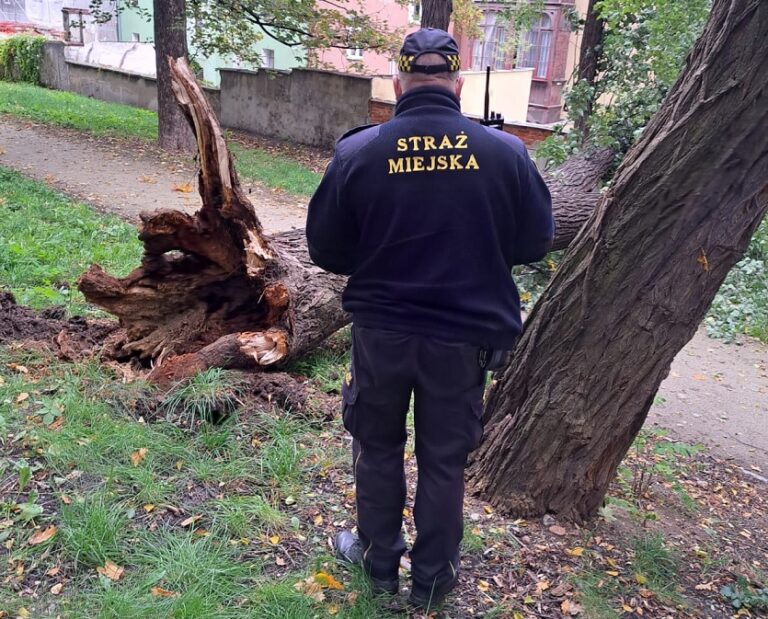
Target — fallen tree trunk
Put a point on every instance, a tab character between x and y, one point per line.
213	290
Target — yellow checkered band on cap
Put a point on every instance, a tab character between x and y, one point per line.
405	63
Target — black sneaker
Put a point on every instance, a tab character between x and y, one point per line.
350	550
425	599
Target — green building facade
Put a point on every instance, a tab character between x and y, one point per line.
134	26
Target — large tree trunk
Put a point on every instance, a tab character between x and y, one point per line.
213	289
170	41
589	58
436	13
636	282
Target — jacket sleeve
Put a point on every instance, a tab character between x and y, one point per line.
332	233
535	225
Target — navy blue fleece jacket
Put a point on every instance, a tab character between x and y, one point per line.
428	213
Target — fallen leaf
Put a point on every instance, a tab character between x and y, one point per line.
42	536
274	540
56	589
318	520
21	369
138	456
21	397
65	499
53	571
705	586
22	613
640	579
702	260
280	561
542	586
159	592
327	581
182	187
628	608
111	570
574	552
188	521
613	573
556	529
179	464
483	585
311	588
488	509
149	507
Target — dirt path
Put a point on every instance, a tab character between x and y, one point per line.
716	394
139	177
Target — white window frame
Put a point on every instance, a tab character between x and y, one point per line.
414	12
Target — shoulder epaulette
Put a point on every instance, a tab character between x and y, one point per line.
358	129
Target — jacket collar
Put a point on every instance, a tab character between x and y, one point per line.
427	96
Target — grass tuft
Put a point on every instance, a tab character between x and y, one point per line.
206	397
93	530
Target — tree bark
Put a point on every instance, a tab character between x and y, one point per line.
213	289
636	282
589	58
170	41
436	13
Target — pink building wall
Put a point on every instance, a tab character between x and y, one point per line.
397	17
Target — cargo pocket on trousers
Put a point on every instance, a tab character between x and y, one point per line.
476	424
350	390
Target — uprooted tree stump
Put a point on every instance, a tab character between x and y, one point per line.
213	290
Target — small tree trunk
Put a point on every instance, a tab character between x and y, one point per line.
170	41
636	282
436	13
591	52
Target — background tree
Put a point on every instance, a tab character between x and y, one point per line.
170	25
436	13
636	282
586	71
642	48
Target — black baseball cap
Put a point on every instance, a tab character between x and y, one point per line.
429	41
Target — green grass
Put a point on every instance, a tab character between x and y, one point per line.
247	516
66	109
658	564
47	241
598	594
93	530
101	118
205	397
88	461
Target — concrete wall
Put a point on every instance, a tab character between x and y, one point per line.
103	83
310	107
509	92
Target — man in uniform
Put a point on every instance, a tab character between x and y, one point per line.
427	214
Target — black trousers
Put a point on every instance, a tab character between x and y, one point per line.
447	383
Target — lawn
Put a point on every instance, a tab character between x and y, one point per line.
113	120
119	500
47	241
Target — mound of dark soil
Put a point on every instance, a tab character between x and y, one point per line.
72	338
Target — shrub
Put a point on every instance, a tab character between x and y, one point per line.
21	57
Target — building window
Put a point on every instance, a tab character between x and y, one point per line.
414	12
268	58
353	53
537	47
490	50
